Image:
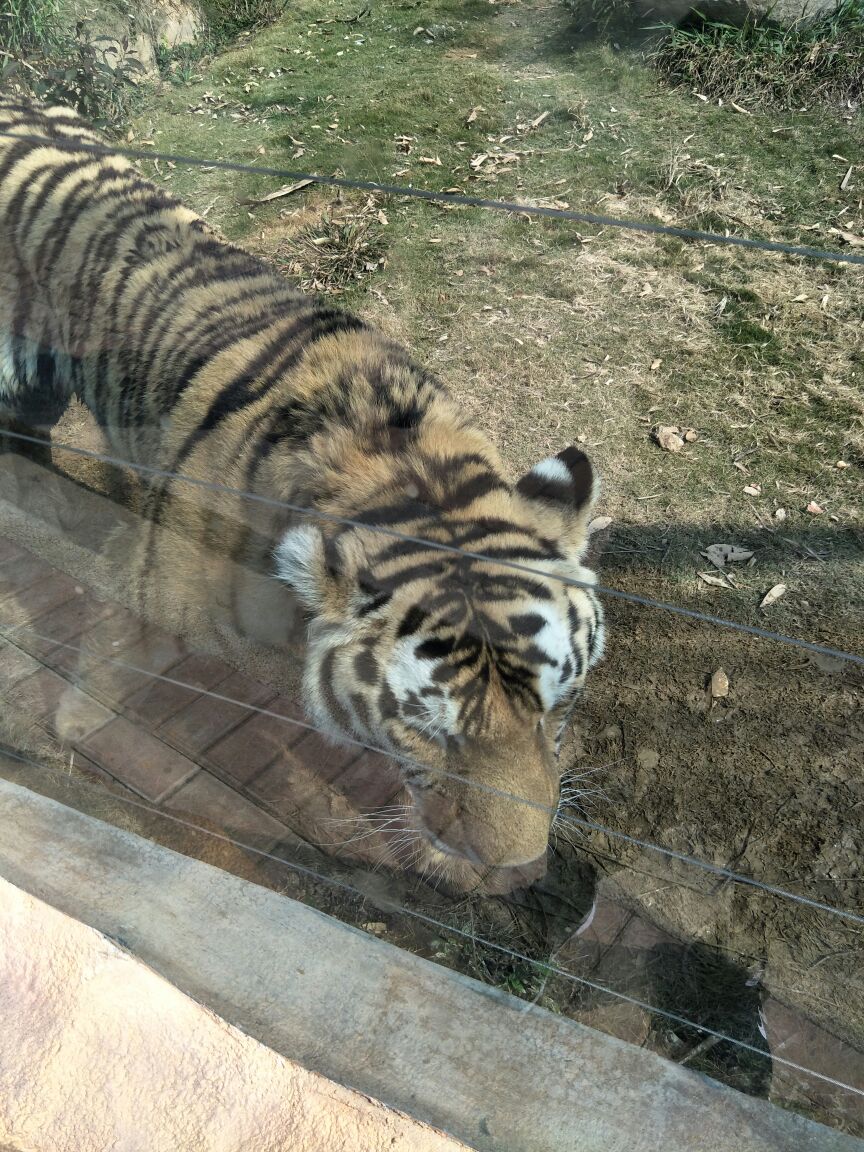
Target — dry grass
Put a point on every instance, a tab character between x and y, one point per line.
336	248
819	58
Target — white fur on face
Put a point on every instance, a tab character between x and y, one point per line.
553	639
406	674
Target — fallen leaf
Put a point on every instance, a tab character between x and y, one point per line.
722	554
382	217
773	595
589	135
538	120
599	523
851	238
780	514
655	364
814	509
667	436
436	160
714	581
691	436
738	108
719	685
752	490
472	115
479	160
285	190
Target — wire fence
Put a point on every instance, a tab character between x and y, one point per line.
590	825
439	546
456	199
762	634
544	968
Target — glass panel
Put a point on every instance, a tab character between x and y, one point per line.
701	891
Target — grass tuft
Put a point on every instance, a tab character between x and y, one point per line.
819	58
228	19
28	25
331	254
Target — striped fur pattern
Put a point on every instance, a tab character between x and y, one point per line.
194	357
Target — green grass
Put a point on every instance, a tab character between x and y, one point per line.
227	19
819	58
28	25
546	303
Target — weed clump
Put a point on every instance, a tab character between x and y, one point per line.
28	26
227	19
819	58
330	255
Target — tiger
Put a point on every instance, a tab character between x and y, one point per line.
448	616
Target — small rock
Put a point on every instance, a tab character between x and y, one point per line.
719	685
649	758
668	437
841	464
780	514
376	927
691	435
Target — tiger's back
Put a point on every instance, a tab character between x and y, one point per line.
252	402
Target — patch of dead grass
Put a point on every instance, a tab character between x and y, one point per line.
327	249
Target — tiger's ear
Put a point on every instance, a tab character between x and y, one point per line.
567	479
301	563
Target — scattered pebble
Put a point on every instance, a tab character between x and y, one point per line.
719	685
668	437
649	758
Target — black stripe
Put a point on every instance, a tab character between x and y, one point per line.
12	154
527	624
20	211
411	622
161	313
473	489
81	201
296	419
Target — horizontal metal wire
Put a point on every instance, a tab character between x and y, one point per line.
545	968
455	198
435	545
647	845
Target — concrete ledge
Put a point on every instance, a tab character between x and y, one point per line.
97	1051
442	1048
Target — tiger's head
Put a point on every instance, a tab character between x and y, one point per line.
466	670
